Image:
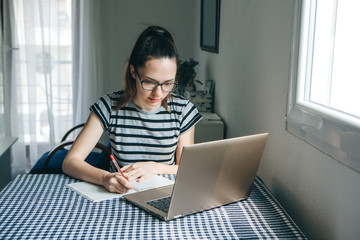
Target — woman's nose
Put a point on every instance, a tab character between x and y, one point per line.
157	89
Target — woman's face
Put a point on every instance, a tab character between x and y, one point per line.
157	70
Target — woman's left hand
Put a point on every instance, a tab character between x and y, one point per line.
141	170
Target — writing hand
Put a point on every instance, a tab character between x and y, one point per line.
114	182
141	170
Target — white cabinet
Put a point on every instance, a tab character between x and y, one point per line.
5	160
210	128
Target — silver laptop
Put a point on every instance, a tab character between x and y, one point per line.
210	174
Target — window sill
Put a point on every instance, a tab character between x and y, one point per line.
326	132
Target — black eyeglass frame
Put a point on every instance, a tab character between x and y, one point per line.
157	84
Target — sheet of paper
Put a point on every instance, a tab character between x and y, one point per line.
153	182
96	193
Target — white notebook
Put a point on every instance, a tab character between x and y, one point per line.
96	193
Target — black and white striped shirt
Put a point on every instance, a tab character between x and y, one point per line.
137	135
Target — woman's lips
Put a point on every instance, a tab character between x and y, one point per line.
154	100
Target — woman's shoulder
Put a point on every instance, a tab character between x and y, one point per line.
179	103
112	97
110	100
175	98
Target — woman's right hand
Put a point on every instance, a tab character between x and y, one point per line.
114	182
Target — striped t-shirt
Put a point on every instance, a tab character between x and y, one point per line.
137	135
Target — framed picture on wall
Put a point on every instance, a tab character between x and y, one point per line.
210	25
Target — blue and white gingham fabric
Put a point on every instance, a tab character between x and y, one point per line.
41	207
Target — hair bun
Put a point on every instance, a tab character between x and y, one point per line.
159	32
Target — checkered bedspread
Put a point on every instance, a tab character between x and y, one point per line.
41	207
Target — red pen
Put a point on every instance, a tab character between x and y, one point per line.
117	166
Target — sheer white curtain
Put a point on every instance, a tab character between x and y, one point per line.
87	56
50	72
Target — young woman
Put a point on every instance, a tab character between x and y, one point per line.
148	125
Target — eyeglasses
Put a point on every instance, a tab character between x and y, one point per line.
152	85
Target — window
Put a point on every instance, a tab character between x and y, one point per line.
44	65
324	90
37	90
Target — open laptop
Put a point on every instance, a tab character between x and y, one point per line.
210	174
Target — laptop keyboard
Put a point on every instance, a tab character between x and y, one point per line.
161	203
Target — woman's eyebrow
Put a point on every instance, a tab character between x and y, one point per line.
150	78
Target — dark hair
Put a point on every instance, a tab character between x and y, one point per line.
153	42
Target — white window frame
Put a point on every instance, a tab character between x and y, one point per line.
333	132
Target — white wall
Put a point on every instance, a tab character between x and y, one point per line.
123	21
251	73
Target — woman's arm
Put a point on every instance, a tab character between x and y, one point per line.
143	170
184	139
75	165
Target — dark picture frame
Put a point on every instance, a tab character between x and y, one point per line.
210	25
